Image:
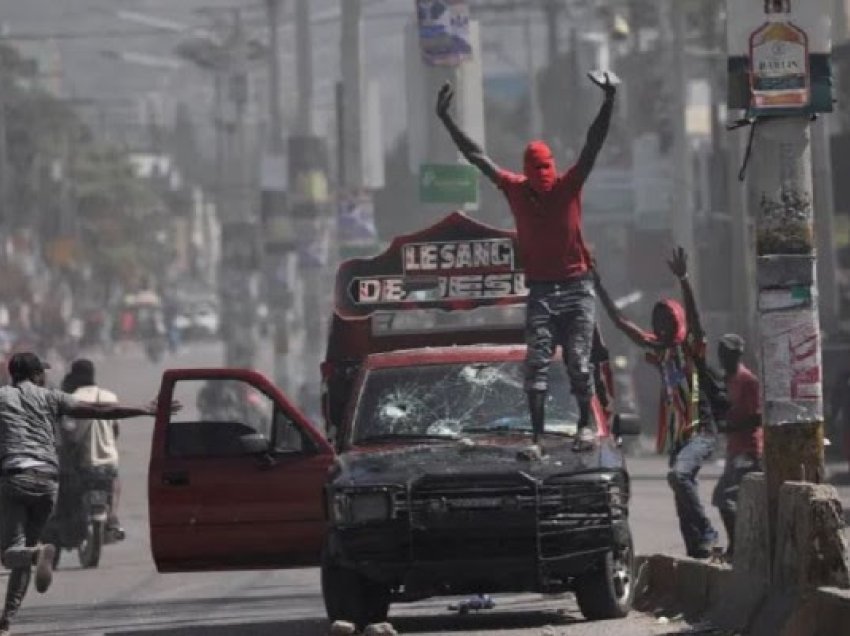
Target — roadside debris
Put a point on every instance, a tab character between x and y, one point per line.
666	620
475	604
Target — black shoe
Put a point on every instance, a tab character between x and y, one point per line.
44	567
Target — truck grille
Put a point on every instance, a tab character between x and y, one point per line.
506	516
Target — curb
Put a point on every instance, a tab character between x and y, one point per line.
714	592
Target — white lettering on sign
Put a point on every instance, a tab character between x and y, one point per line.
458	255
388	289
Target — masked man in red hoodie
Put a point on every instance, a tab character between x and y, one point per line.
692	399
546	207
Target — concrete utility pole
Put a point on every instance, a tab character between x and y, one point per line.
351	49
275	114
4	163
770	45
308	176
280	257
304	69
824	202
781	173
683	209
227	58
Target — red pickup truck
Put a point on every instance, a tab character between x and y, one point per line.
421	484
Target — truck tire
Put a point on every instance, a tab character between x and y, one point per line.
350	596
608	591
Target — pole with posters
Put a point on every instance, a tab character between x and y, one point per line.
779	73
443	44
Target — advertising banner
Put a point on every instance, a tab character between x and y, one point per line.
779	56
444	31
791	356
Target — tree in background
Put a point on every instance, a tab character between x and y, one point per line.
66	186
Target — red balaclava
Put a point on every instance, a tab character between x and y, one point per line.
539	166
679	319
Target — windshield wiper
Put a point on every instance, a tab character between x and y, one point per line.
389	437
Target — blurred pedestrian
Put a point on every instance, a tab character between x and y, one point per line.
839	411
29	471
742	425
93	443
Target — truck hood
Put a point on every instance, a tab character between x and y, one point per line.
400	465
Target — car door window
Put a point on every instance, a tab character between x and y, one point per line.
218	416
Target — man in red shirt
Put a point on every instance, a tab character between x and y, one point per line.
743	428
546	207
687	427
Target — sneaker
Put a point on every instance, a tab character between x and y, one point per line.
44	567
705	549
584	439
114	534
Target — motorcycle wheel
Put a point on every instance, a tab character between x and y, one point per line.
90	548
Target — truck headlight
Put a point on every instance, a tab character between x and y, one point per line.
361	507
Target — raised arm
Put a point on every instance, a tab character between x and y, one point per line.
632	331
597	132
679	266
113	411
470	149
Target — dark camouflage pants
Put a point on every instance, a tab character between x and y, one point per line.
560	314
26	503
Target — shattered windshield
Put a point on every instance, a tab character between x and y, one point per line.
453	400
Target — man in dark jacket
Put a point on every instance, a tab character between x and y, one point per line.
29	469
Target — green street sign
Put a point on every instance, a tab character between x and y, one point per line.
448	183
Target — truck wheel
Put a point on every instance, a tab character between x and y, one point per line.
608	591
351	597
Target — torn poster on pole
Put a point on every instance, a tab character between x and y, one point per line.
791	357
779	56
444	31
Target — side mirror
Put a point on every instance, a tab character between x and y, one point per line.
254	444
625	424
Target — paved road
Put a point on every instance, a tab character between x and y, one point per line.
126	596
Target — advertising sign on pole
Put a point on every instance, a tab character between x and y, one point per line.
444	31
448	183
779	56
356	231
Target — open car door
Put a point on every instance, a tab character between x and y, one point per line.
236	477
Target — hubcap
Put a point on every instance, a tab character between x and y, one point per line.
621	575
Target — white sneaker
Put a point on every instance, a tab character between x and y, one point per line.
584	440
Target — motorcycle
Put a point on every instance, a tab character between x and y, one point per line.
80	520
